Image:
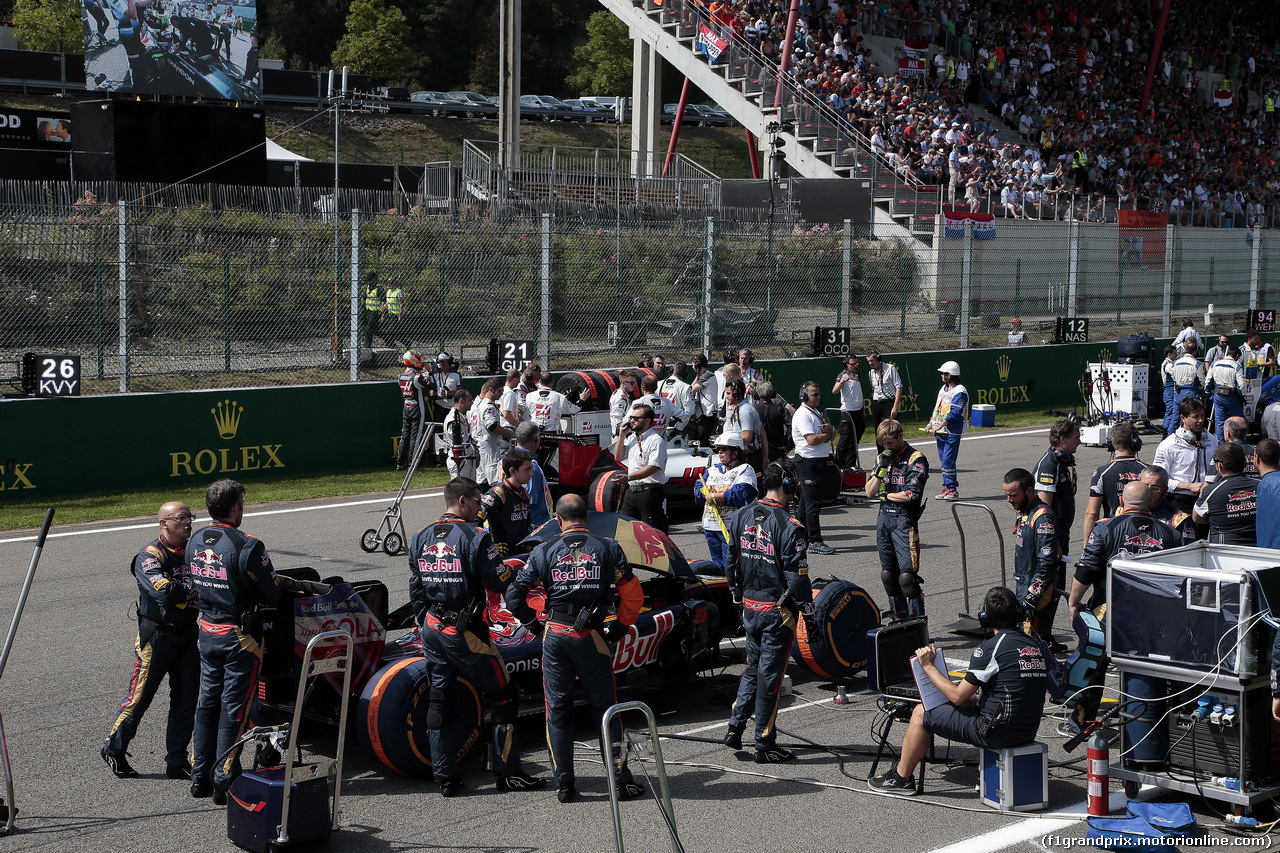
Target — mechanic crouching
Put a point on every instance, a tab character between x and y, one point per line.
579	571
768	571
451	564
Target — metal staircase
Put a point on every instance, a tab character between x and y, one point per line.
818	142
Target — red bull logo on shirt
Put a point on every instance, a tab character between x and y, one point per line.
756	539
575	567
208	564
440	558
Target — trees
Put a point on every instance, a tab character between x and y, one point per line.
604	61
52	25
376	41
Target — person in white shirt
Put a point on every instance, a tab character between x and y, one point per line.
509	402
852	418
546	405
728	485
741	418
1262	355
886	391
679	394
1227	385
490	433
1187	454
621	400
1017	337
644	451
706	396
750	375
443	381
812	434
661	408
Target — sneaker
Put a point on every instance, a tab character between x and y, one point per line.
733	738
948	495
819	547
450	787
630	791
202	789
219	797
566	793
119	764
1066	730
179	771
520	782
773	755
892	783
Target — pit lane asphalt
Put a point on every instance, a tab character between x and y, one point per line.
71	662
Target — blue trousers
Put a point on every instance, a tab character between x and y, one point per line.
898	540
1230	406
567	653
157	654
718	547
1170	408
1179	394
769	631
450	651
948	450
229	664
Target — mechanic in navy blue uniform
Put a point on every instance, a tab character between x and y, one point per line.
580	572
232	575
1229	505
1110	479
166	646
768	571
1036	555
1055	476
504	509
997	704
898	480
451	564
413	412
1133	531
1157	480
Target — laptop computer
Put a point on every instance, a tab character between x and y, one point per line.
893	646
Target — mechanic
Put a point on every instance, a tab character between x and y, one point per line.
1035	546
1267	456
898	481
509	401
726	486
1262	355
580	572
546	405
775	421
852	418
1156	479
1186	454
645	455
742	418
1108	480
812	434
528	384
489	432
166	646
620	401
750	375
1016	337
1236	429
706	394
1055	476
442	384
457	434
886	390
1188	375
1134	530
1227	384
997	704
768	572
949	420
1229	505
662	410
680	395
451	564
1188	340
504	509
233	576
413	412
660	366
1170	390
528	439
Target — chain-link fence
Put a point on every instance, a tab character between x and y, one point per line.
162	298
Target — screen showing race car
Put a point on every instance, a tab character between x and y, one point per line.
172	47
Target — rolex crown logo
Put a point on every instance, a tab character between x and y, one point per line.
1104	356
1003	363
227	416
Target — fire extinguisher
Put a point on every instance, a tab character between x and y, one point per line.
1098	759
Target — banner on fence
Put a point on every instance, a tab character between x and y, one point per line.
915	48
1142	239
1222	99
908	66
710	43
984	224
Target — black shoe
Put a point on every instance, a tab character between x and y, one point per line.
450	787
630	791
219	797
202	790
179	771
520	782
119	765
1058	649
819	547
566	793
892	783
773	755
733	738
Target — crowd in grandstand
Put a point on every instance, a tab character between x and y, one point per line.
1065	82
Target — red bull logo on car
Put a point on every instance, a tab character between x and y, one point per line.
638	649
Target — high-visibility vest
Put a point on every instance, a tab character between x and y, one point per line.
372	299
1270	104
951	69
1078	160
394	295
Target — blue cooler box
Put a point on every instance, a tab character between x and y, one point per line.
256	798
1015	778
982	415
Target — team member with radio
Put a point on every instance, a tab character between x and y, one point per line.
898	481
1036	545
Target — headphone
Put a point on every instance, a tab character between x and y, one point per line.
790	484
804	390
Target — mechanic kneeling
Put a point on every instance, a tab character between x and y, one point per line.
579	571
1010	671
451	563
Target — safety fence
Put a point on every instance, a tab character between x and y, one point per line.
159	298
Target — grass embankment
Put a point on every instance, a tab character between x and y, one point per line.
26	515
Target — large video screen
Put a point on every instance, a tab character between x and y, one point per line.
172	47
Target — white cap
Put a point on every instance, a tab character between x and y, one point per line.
729	439
950	367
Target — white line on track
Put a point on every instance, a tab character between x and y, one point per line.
150	524
1025	830
720	725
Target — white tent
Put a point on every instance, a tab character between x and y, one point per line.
277	152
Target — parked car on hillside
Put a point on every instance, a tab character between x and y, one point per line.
437	104
478	106
590	111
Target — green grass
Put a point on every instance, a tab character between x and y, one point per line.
30	514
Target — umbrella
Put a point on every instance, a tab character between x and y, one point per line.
646	547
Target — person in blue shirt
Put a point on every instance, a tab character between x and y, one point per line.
528	438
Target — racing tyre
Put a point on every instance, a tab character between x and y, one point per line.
843	613
369	541
393	544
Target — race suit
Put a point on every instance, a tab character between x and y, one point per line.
898	532
1130	533
462	452
489	443
504	509
412	415
1035	558
1227	384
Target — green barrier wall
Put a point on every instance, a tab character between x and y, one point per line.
86	445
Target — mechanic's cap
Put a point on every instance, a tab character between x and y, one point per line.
444	356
